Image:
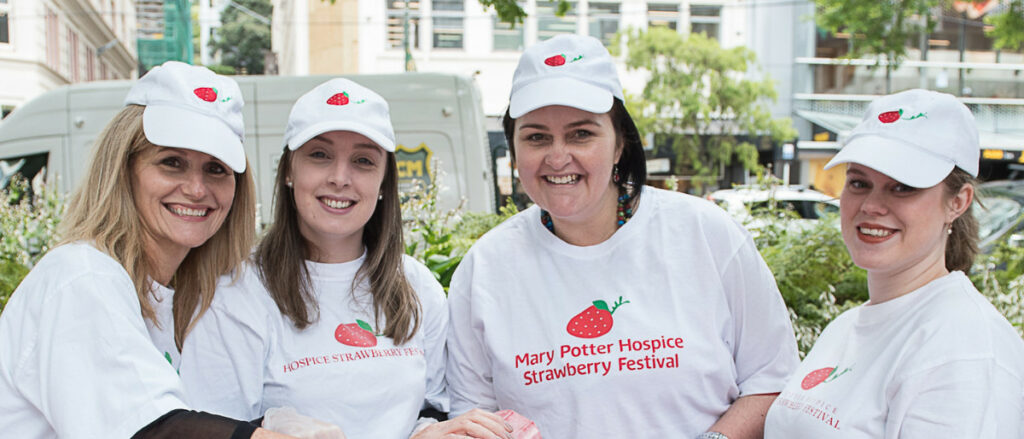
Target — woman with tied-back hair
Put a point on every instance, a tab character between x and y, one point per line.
90	340
332	318
927	356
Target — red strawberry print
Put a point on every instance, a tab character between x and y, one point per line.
594	321
207	94
555	61
338	99
890	116
359	334
816	377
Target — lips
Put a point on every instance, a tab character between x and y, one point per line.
562	179
874	233
188	212
334	203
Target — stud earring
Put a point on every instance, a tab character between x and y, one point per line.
380	197
288	183
949	231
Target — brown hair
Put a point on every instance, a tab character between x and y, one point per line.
962	244
117	228
281	255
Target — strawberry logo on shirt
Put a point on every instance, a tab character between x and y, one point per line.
823	375
594	321
893	116
359	334
208	94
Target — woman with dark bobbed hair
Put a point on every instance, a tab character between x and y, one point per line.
927	356
610	309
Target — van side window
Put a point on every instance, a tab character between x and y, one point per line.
31	168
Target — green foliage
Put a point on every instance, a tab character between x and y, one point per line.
221	69
877	28
701	94
1007	27
28	228
242	40
1000	277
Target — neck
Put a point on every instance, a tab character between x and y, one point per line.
883	287
594	229
347	251
164	261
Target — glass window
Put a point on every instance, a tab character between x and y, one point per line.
28	167
603	22
396	24
706	19
663	14
5	36
448	23
507	37
549	24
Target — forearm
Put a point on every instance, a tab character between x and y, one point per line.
745	417
192	424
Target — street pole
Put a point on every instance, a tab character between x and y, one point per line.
405	38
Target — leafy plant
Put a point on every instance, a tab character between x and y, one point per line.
29	215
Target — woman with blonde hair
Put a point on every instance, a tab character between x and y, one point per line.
332	318
90	340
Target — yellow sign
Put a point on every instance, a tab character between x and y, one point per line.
992	154
821	137
413	165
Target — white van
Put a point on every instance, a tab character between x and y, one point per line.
436	116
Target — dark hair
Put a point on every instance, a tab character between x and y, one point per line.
281	254
632	164
962	245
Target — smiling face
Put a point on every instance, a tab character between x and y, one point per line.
893	229
565	157
183	197
336	178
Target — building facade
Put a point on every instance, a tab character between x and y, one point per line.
48	43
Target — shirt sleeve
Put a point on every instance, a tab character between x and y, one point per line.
958	400
222	365
435	329
470	383
763	344
94	371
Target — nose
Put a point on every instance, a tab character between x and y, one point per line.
875	203
194	186
558	156
339	174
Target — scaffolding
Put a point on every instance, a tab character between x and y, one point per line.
164	32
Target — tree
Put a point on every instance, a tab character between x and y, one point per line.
243	39
1007	26
702	95
879	28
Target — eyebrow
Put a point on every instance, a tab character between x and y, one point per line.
578	123
364	145
855	171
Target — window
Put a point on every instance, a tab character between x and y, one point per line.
73	42
663	14
706	19
448	23
549	24
26	167
507	37
5	110
90	64
5	34
52	40
603	21
396	24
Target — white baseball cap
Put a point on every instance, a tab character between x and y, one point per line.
191	107
340	105
915	137
571	70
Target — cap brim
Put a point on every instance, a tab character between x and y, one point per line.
179	128
314	130
560	90
900	161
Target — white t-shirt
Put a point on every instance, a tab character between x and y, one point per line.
939	362
244	356
700	323
76	359
163	334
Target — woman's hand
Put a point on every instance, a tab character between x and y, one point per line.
475	424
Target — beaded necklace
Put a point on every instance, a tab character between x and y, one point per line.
623	213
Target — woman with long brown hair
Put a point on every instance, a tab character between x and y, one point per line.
90	340
332	318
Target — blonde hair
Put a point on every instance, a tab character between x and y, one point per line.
281	254
117	229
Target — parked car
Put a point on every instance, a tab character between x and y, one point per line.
1002	217
807	204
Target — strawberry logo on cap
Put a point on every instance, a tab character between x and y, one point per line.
558	60
893	116
208	94
342	99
